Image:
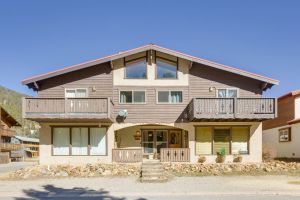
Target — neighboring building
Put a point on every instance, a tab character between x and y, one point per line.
282	134
6	147
149	102
29	146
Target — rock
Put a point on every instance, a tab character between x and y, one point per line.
62	174
107	173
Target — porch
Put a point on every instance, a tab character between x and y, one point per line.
167	144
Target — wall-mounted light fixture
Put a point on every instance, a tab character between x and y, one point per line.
211	89
137	135
94	89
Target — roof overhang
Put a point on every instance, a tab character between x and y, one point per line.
35	79
7	118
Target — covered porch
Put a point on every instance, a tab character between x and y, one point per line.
164	143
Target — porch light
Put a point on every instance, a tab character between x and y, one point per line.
137	135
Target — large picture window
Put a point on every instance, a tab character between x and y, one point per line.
79	141
210	140
98	141
136	68
166	66
61	141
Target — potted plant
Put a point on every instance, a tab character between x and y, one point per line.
201	159
221	156
238	158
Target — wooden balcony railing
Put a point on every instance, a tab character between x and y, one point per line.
175	155
232	108
10	147
127	155
7	132
90	108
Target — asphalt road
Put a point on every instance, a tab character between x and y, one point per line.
213	188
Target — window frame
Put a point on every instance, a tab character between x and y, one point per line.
169	91
70	139
75	89
176	63
125	62
230	140
227	89
132	91
289	132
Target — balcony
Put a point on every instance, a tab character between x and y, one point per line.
44	109
201	109
7	132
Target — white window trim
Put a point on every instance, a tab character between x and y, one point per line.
132	97
237	93
86	89
169	96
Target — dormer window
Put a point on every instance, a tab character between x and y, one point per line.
166	66
136	66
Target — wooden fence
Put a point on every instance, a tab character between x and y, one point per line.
127	155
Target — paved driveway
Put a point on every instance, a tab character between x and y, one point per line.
215	188
13	166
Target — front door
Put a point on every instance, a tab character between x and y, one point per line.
154	140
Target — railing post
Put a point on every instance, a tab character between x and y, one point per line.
275	100
235	107
23	107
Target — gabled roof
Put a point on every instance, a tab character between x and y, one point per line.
294	93
35	79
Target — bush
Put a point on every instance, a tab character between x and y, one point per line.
201	159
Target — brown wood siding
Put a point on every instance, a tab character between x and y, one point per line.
151	112
98	76
202	77
286	112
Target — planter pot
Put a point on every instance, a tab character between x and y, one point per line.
238	159
220	159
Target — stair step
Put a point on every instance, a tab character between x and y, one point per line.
152	174
161	170
154	180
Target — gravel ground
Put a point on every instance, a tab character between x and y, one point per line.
239	187
13	166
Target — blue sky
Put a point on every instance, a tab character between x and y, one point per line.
258	36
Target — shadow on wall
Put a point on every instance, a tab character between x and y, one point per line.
52	192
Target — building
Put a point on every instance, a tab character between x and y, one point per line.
29	147
282	134
6	133
149	102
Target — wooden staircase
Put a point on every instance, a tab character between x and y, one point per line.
153	172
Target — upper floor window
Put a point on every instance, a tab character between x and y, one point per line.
166	66
132	96
169	96
136	66
285	135
76	93
227	93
